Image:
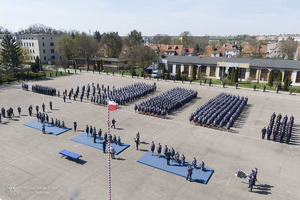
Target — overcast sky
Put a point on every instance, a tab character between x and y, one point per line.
215	17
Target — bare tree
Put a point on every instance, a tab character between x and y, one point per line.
288	48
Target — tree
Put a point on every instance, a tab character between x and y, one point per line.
175	41
97	36
186	39
163	71
86	46
232	78
196	50
111	44
12	55
286	84
178	75
236	76
279	80
159	39
194	68
271	78
65	45
202	42
142	56
134	39
288	48
35	67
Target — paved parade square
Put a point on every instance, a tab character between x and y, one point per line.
32	168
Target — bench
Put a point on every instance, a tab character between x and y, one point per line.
70	154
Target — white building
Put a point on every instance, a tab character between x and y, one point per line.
41	45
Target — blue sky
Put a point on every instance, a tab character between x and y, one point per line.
215	17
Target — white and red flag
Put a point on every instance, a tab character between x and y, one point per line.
112	105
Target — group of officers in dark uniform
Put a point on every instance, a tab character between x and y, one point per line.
170	154
166	102
9	113
101	95
44	90
24	86
283	129
93	133
222	110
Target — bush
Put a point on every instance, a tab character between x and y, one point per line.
270	79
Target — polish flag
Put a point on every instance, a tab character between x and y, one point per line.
112	105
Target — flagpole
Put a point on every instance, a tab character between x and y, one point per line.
108	131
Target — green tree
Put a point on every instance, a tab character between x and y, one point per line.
197	50
12	56
232	78
133	39
271	78
194	68
35	67
142	56
288	48
65	45
186	39
175	41
286	84
97	36
86	47
279	80
236	76
111	44
163	71
178	75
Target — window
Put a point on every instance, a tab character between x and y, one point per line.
53	57
33	51
51	44
29	44
44	51
30	57
45	58
43	44
42	38
30	50
33	57
33	44
26	43
52	50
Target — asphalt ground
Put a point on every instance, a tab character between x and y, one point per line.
32	168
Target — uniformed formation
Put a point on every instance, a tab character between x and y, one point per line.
24	86
100	95
44	90
281	130
166	103
123	95
222	110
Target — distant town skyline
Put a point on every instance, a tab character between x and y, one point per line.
156	17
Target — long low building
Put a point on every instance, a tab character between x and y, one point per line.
250	69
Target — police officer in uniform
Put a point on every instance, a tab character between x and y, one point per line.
75	126
152	147
263	133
